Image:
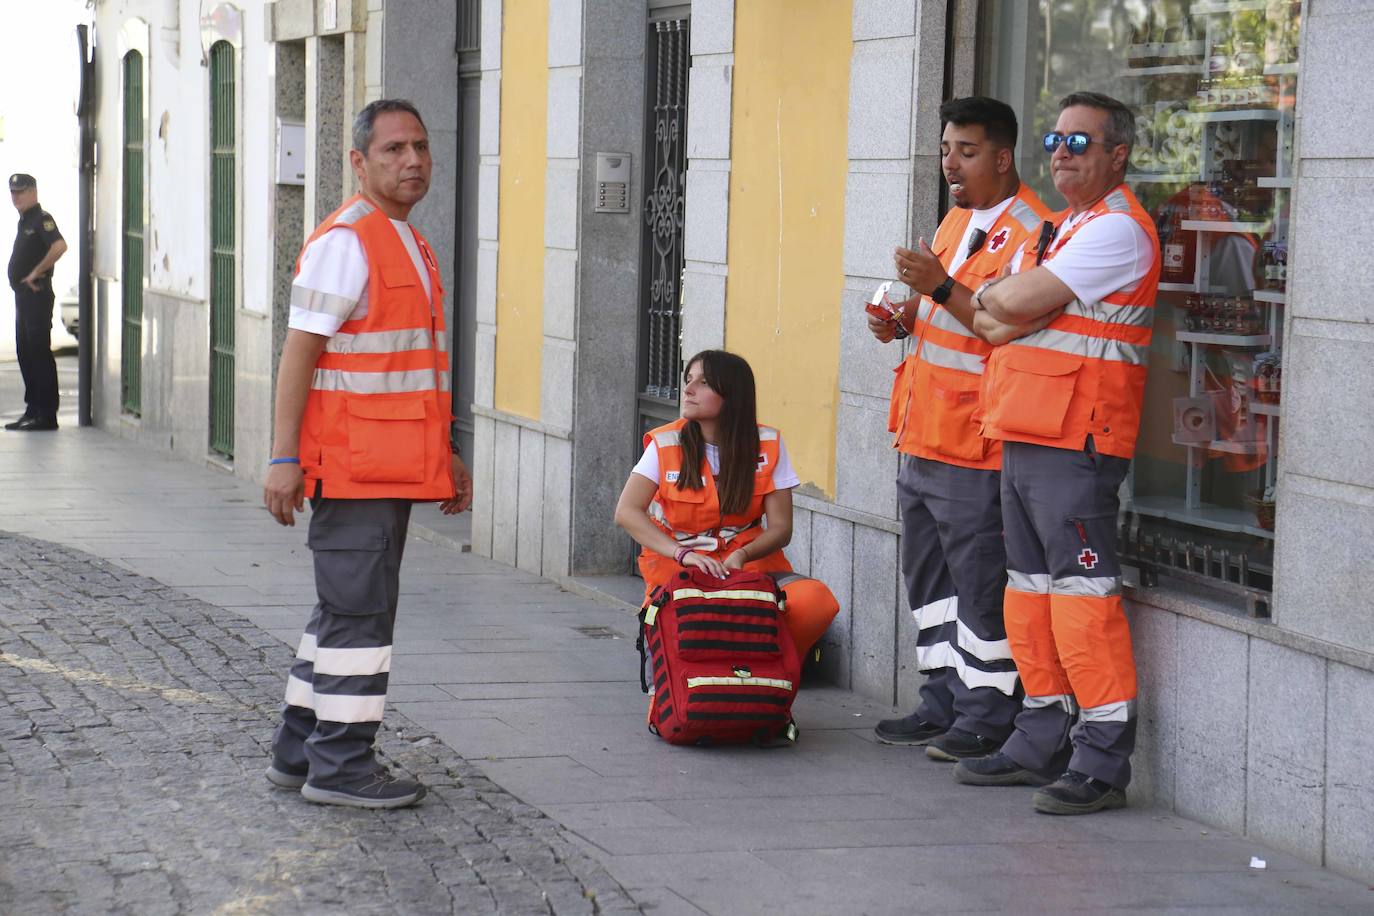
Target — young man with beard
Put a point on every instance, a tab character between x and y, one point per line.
948	487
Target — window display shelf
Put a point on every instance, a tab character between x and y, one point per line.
1236	114
1160	178
1275	182
1263	409
1225	340
1227	6
1175	509
1165	69
1207	225
1270	295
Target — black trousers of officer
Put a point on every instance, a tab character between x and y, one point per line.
336	690
33	341
954	567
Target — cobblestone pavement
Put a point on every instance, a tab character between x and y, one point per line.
134	730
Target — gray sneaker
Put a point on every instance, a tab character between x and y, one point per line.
282	776
379	790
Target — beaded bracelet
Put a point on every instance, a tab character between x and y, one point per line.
681	555
285	461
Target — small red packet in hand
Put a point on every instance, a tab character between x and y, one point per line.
881	307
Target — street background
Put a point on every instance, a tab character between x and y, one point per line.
146	633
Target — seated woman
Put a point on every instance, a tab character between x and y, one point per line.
699	494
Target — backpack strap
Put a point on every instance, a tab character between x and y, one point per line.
647	614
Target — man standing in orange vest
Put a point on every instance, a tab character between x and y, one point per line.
363	426
947	485
1066	402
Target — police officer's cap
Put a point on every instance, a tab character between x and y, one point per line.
21	182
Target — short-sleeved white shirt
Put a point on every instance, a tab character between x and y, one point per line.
784	478
1108	253
331	287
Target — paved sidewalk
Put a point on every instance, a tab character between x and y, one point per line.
134	722
538	688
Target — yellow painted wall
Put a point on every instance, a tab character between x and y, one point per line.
520	227
786	233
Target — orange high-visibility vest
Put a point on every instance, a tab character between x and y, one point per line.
377	417
1084	374
936	388
693	517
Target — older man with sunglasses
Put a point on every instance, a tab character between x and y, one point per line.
1065	401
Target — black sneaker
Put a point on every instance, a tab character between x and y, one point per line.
956	744
1078	793
380	790
34	424
910	730
16	423
995	770
279	774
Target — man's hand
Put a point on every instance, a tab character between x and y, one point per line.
737	559
284	492
29	282
883	330
462	497
920	269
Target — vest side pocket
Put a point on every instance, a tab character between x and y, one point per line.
386	440
1032	391
901	388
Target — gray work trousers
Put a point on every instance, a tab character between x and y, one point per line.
1068	630
336	690
954	567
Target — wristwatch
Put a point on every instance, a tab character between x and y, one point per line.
977	298
941	293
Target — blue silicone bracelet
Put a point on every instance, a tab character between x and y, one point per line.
285	461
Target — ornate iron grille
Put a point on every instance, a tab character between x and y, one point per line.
223	247
131	256
665	161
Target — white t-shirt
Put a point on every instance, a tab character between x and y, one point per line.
784	478
980	219
1109	253
331	287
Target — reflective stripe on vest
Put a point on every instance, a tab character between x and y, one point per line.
386	341
378	382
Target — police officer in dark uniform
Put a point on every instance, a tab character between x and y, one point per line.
37	246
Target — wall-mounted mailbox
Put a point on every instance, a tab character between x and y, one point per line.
612	183
290	152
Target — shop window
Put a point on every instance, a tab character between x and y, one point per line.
1212	83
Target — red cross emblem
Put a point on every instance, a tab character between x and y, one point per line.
999	240
1087	559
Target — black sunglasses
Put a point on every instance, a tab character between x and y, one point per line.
1077	142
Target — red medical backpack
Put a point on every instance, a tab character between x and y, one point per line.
724	665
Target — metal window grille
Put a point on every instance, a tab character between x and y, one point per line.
469	25
131	257
661	262
223	246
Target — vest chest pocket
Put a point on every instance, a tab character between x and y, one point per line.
948	427
1032	391
386	440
